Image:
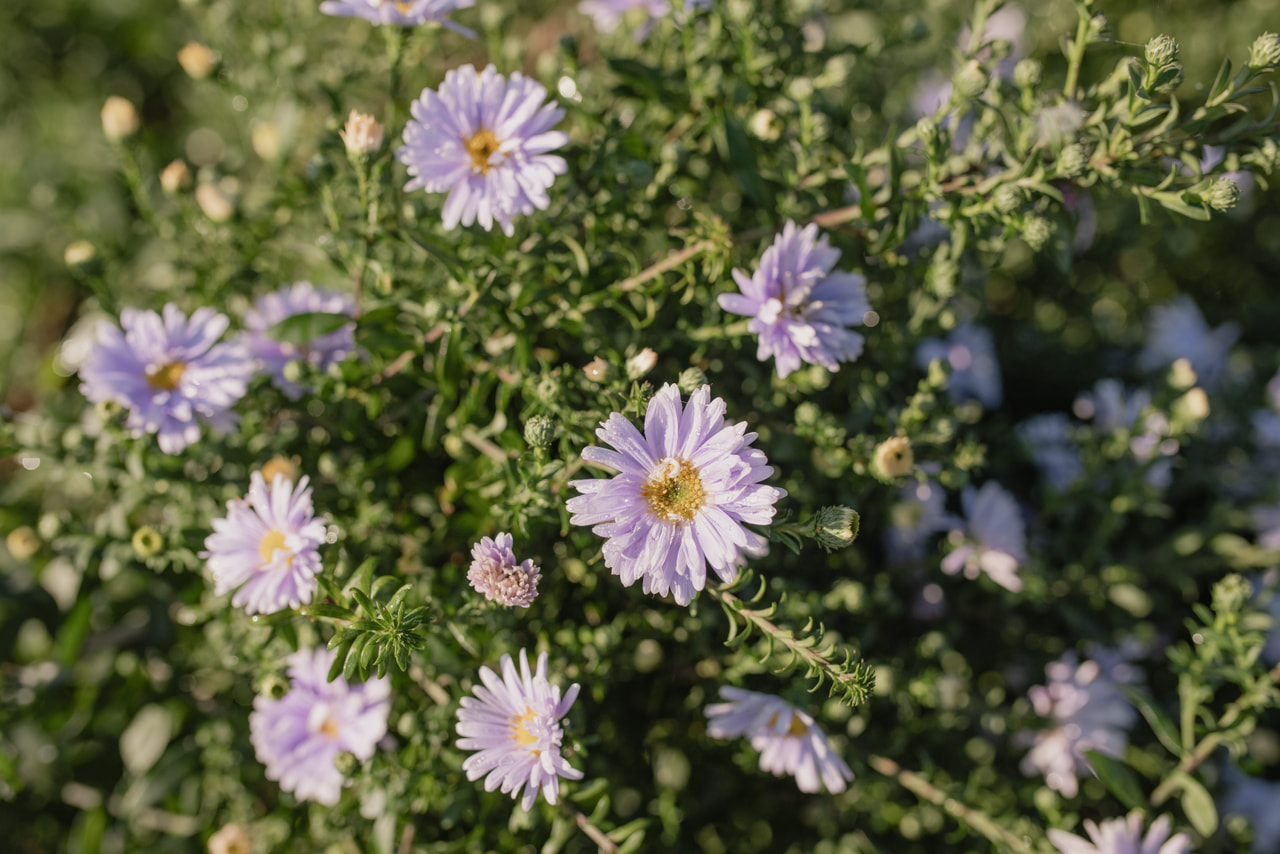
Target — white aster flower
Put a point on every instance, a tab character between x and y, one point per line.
1123	836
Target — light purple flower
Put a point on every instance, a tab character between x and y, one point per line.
1086	710
684	492
1111	406
1048	440
920	513
514	723
169	371
268	546
789	741
1256	800
299	735
401	14
606	15
1123	836
288	301
495	573
1177	330
994	538
484	139
798	307
971	354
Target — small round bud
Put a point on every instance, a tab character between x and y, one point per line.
282	466
926	130
22	542
835	527
1098	28
147	542
1072	161
1181	374
547	389
971	80
273	686
1036	231
1265	51
1007	198
197	60
175	177
80	255
119	118
362	135
231	839
892	459
1223	195
597	370
641	363
1193	406
346	763
539	431
266	140
1026	74
1161	51
691	379
216	204
765	125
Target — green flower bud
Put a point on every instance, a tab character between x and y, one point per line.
1265	51
1026	74
971	80
81	256
1231	593
926	130
539	431
346	763
1072	161
1161	51
547	389
147	541
1007	198
1098	29
1223	195
691	379
1036	231
835	527
273	686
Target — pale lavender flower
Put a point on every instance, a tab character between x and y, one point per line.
290	300
169	371
1123	836
994	538
606	15
495	573
789	741
514	723
798	307
410	13
920	512
299	735
267	546
1177	330
1048	440
684	492
485	139
1257	800
1111	407
1266	522
1087	711
971	354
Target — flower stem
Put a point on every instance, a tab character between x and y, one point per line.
593	833
653	271
1076	59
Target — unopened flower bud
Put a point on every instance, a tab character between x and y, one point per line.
1073	160
346	763
1026	74
597	370
80	255
22	542
1007	198
971	80
691	379
197	60
641	363
1231	593
1223	195
1161	51
216	204
266	140
119	118
175	177
765	125
147	542
231	839
835	527
1098	28
1181	374
539	431
892	459
1265	51
362	135
1194	405
926	130
547	389
274	686
283	466
1036	231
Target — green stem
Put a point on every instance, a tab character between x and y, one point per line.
1077	51
133	178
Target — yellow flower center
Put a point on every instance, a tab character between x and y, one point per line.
404	7
273	540
329	728
166	378
797	726
520	726
481	147
674	491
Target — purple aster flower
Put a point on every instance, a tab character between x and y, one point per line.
920	513
994	539
606	15
1048	440
1256	800
971	354
1111	406
484	139
299	735
169	371
1087	712
1123	836
789	741
798	307
495	573
409	13
290	300
514	723
684	492
1177	330
268	546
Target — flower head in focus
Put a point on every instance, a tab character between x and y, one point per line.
495	573
1177	330
1123	836
288	301
995	539
971	354
401	13
789	741
513	723
486	140
299	736
169	371
684	491
267	546
798	307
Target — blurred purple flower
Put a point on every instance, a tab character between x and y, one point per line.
606	15
920	512
484	139
684	492
495	573
788	740
1256	800
1048	440
409	13
971	354
288	301
1177	330
994	538
169	372
1123	836
299	735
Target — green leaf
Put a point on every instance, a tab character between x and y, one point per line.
1118	779
327	611
302	328
1197	803
1161	724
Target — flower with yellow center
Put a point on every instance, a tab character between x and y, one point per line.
166	377
482	145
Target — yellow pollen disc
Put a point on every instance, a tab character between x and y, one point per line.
674	491
520	725
404	7
272	541
166	378
481	147
797	726
329	728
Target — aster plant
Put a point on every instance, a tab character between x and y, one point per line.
401	13
290	301
496	573
1123	836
